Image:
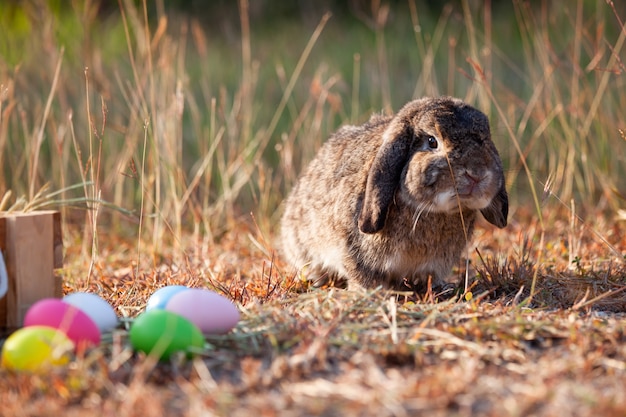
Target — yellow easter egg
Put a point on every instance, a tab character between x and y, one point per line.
36	348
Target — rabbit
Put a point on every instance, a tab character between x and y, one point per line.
393	202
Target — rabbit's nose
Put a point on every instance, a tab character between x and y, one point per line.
469	183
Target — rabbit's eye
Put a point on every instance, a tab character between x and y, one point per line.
432	142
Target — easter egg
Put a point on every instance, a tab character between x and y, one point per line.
160	297
211	312
95	307
36	348
77	325
162	333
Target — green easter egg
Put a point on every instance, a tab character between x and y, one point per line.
162	333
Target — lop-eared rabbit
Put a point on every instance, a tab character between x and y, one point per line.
394	201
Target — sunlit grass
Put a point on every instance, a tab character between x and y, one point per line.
228	125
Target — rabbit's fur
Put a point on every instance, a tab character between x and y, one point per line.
393	202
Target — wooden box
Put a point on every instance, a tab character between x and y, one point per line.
32	247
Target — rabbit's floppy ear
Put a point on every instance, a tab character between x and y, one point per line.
497	212
384	176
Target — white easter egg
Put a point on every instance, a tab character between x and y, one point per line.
95	307
211	312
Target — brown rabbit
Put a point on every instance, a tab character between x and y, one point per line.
394	201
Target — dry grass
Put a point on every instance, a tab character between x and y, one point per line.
299	351
183	176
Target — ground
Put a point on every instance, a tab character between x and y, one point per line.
303	351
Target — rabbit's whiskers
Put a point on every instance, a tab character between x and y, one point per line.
458	198
420	209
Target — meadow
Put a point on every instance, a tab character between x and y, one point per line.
168	137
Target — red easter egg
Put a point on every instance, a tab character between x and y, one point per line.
76	324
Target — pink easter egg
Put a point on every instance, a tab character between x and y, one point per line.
76	324
212	313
